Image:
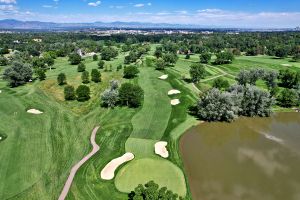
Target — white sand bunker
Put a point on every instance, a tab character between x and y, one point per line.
34	111
286	65
172	92
163	77
160	149
108	172
0	91
175	102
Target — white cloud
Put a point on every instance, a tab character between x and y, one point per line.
47	6
8	1
139	5
94	4
149	4
206	17
7	8
117	7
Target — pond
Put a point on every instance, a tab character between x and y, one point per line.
249	159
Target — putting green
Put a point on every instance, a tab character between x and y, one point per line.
141	171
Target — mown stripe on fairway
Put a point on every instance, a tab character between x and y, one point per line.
151	121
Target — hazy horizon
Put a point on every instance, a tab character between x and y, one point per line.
239	14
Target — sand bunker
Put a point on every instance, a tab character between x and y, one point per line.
286	65
34	111
172	92
108	172
160	149
175	102
163	77
0	91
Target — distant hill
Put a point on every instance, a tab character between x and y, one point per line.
16	24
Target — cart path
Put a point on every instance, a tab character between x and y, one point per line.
75	168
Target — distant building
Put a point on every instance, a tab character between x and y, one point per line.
37	40
297	28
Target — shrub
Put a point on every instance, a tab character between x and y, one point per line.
101	64
61	79
96	76
85	76
83	93
81	67
130	71
69	93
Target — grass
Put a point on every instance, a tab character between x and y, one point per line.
41	149
142	170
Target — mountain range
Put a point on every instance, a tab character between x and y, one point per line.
16	24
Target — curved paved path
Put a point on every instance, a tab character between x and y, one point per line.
79	164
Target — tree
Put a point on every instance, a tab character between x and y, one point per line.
18	74
152	191
243	77
288	98
205	57
95	57
74	59
81	67
131	95
48	60
3	61
83	93
85	77
281	52
224	58
256	102
110	96
130	71
96	76
221	83
158	52
296	57
108	53
270	78
101	64
197	72
160	64
187	56
41	74
217	106
61	79
170	58
288	78
69	92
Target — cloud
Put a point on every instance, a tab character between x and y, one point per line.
94	4
117	7
149	4
7	8
207	17
47	6
8	1
139	5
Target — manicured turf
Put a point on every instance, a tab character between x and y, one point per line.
165	174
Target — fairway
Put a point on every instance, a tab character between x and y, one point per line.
163	172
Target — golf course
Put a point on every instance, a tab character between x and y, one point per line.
102	152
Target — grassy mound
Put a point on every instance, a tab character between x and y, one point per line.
161	171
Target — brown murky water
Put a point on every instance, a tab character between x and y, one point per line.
250	159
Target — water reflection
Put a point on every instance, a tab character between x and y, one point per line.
250	159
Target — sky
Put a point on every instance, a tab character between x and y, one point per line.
219	13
